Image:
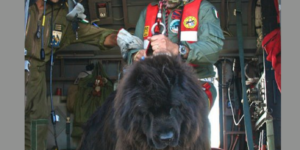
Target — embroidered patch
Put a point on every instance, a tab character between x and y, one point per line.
190	22
56	38
215	12
146	31
58	27
176	14
174	25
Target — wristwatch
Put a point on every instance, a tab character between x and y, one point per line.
182	50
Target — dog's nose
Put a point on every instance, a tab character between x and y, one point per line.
166	136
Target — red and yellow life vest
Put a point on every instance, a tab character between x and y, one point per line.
188	25
188	30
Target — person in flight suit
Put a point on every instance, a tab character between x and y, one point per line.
55	24
192	31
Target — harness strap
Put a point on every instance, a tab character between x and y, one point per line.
247	117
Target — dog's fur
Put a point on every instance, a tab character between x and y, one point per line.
159	104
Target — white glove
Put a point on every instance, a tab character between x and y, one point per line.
77	10
126	42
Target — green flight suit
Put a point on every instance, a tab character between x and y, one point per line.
36	110
204	52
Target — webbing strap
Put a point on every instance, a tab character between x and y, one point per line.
247	118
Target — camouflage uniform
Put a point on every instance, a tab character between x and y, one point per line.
36	105
204	52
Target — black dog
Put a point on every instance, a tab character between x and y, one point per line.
159	104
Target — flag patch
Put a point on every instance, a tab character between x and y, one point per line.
215	12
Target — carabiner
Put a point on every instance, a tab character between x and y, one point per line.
155	24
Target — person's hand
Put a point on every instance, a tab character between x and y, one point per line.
139	55
78	11
126	42
161	44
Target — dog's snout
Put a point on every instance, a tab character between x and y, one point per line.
166	136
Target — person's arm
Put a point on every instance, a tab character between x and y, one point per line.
89	34
210	37
139	30
102	37
110	40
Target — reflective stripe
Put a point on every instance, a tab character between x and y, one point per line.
188	36
146	43
190	10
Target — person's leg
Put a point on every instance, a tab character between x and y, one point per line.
36	111
213	91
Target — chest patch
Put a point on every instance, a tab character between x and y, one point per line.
176	14
174	25
56	38
56	35
190	22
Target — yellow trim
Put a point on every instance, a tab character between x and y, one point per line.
43	24
146	31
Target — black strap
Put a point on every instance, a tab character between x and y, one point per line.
247	118
75	24
179	27
53	115
42	52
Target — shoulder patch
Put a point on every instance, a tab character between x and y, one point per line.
215	12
